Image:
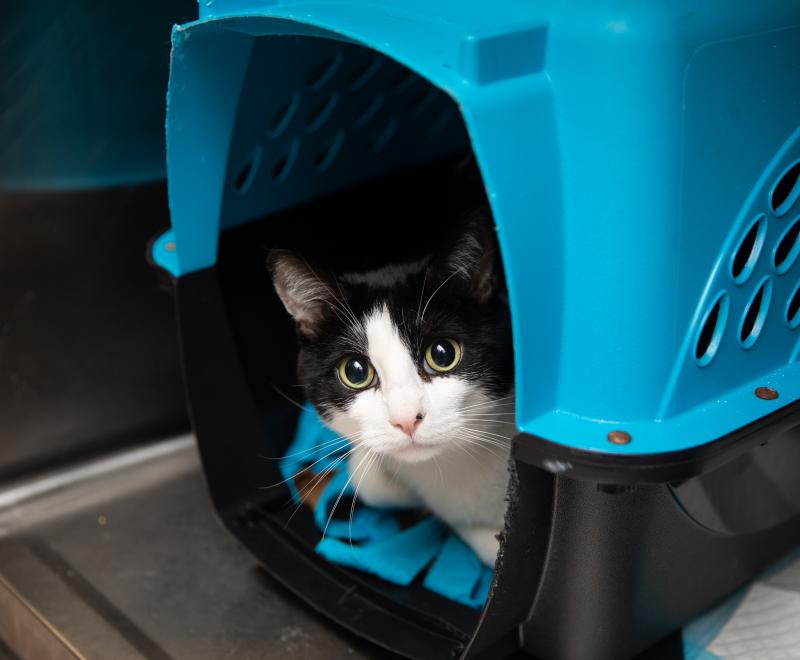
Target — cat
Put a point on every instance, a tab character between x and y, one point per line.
413	363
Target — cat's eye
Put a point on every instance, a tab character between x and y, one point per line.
356	372
443	355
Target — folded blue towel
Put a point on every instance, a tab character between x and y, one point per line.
373	541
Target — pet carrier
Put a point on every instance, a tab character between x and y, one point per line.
642	164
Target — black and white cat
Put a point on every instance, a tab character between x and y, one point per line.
413	363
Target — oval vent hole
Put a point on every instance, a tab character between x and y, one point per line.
320	112
786	190
244	173
788	247
324	71
283	115
401	81
321	157
793	309
441	121
368	112
380	139
746	255
247	172
361	74
325	156
280	169
422	101
283	166
709	336
754	316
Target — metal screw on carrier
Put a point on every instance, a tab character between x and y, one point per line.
767	393
619	437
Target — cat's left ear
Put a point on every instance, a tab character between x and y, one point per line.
474	257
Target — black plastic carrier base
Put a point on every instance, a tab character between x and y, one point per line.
601	565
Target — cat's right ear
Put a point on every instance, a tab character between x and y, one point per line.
307	294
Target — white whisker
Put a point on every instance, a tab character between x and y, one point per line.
439	470
424	309
484	446
341	492
355	494
485	432
287	397
496	438
310	450
304	468
422	294
493	403
489	421
316	480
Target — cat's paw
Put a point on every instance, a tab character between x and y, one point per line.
483	540
375	487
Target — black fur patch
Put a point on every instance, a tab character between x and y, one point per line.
468	305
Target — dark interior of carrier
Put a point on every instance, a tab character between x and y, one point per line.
401	216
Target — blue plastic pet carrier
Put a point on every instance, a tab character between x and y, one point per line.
642	164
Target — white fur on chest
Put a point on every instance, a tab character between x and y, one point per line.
460	488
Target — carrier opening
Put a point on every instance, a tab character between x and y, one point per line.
399	218
384	158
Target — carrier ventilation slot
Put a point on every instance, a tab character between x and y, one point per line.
746	255
755	315
711	332
786	191
788	248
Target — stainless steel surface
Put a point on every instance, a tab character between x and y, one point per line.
5	652
124	558
43	619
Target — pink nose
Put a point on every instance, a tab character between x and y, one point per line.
407	425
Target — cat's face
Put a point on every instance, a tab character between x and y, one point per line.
407	360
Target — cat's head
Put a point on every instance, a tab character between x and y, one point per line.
411	359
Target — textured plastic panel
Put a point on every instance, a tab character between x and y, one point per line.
624	152
312	127
752	280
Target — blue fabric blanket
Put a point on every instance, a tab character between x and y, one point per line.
373	540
